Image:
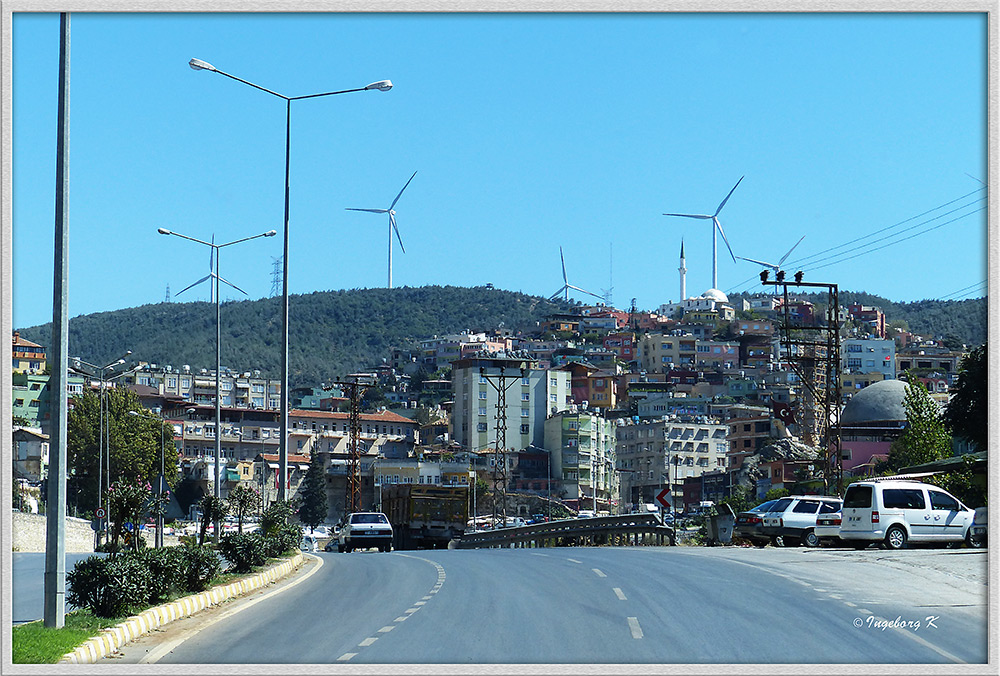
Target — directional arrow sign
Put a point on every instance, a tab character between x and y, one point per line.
661	497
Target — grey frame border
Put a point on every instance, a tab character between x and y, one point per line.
7	8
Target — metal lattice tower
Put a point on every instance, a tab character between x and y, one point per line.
276	274
167	299
500	448
355	390
813	353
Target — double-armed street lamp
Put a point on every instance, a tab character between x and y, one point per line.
382	86
214	276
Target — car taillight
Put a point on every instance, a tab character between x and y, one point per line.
781	523
874	517
835	521
754	519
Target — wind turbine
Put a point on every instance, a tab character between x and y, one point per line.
392	225
774	266
212	275
566	285
716	228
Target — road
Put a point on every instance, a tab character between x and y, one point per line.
639	605
28	584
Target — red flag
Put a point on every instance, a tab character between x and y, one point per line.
783	412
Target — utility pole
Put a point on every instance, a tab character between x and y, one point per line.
813	353
356	386
54	614
500	447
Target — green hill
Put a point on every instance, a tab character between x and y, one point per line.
333	333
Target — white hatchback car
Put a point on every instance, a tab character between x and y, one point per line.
363	530
896	511
792	519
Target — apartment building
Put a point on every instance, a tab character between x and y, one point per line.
531	394
582	444
28	357
869	315
238	389
860	355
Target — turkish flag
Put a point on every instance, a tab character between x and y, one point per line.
783	412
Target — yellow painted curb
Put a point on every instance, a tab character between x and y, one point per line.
112	638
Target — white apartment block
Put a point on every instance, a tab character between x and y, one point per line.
860	355
659	353
530	398
247	389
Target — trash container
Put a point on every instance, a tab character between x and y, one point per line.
719	526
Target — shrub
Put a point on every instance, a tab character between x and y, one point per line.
282	539
200	565
167	572
109	587
244	551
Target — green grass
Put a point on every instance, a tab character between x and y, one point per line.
34	643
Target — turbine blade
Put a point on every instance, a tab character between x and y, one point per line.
372	211
766	265
401	192
727	197
563	261
791	250
557	293
192	285
576	288
690	215
392	222
222	279
722	232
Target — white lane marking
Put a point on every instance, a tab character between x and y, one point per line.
367	642
598	572
620	594
574	561
385	630
157	653
402	618
346	656
410	611
633	625
420	603
852	605
427	598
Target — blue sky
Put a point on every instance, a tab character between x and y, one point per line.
528	132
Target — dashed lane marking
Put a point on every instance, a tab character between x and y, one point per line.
346	656
368	641
385	630
598	572
852	605
633	625
574	561
620	594
402	618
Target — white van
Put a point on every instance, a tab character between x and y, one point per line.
896	511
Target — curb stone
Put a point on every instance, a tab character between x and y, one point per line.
112	638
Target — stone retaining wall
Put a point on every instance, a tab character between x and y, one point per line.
28	532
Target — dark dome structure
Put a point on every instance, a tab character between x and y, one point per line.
880	402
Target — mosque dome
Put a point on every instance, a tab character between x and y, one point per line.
879	402
716	295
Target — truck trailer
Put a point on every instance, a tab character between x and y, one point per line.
425	516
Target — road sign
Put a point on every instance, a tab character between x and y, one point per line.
101	513
661	497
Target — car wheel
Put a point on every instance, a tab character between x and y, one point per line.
976	543
895	538
759	543
778	541
810	539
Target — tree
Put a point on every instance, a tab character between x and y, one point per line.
925	437
243	501
128	502
313	509
966	414
135	443
212	509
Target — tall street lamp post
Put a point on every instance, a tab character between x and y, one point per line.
218	342
381	85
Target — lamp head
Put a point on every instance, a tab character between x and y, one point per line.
164	231
381	85
270	233
198	64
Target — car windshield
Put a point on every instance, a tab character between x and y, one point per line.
780	505
368	518
764	506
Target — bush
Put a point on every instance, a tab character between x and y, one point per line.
282	539
200	565
244	551
167	571
114	586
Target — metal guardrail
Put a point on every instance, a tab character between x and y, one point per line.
594	529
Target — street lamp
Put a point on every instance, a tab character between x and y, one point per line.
214	275
382	86
160	481
100	439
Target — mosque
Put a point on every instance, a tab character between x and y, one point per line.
712	300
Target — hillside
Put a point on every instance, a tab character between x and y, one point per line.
333	333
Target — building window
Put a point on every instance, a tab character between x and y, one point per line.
525	429
482	394
482	410
526	382
481	427
525	396
525	413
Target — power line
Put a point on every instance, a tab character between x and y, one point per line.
964	291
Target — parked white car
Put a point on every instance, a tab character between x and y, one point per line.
792	519
895	512
828	528
978	530
363	530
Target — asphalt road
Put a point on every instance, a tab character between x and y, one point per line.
28	584
640	605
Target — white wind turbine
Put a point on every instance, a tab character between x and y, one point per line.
566	285
716	228
392	225
774	266
211	275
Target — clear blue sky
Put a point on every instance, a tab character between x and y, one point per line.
527	131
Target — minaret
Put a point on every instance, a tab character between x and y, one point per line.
683	270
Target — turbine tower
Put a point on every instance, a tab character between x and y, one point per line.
392	224
716	229
566	285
